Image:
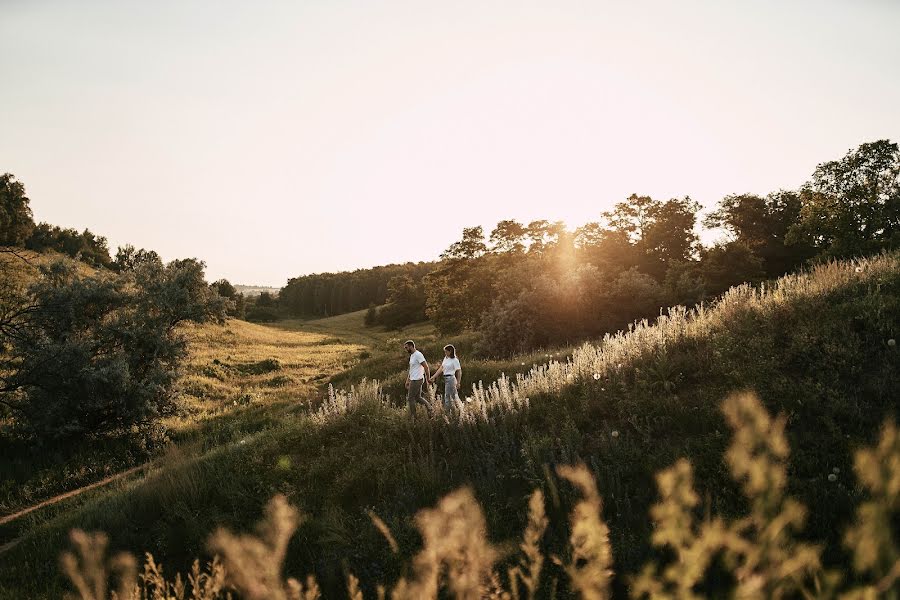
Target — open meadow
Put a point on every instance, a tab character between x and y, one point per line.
815	347
239	378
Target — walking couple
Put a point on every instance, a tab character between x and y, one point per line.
420	374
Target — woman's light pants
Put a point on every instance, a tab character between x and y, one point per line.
450	393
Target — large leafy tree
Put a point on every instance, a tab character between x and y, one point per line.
669	236
405	303
632	217
236	304
662	232
471	245
508	237
609	249
762	224
459	290
543	235
100	354
16	221
129	258
851	206
729	264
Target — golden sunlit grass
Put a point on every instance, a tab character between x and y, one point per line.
350	328
603	361
242	363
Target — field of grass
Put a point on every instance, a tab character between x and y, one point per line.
350	328
816	348
385	360
239	378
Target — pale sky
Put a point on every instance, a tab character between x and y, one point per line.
273	139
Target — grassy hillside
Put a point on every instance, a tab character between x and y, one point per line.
384	357
238	379
815	347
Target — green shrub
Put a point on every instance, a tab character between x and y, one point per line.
260	367
100	354
262	314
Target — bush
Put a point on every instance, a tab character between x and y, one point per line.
100	354
262	314
260	367
84	245
371	318
16	222
237	305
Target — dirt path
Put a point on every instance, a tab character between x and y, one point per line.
65	496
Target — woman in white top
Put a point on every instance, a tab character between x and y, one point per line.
451	371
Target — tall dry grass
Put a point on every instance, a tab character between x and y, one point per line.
604	361
528	571
761	550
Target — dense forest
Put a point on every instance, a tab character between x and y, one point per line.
328	294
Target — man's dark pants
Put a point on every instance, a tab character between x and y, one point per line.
416	395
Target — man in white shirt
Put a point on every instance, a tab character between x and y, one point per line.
416	378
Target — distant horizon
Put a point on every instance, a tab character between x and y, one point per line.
283	139
707	236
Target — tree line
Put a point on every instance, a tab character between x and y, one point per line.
18	230
329	294
526	286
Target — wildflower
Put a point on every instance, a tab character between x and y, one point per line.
832	477
242	442
529	568
615	433
385	531
455	546
590	571
892	342
253	564
596	376
858	269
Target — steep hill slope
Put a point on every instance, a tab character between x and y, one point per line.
820	348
